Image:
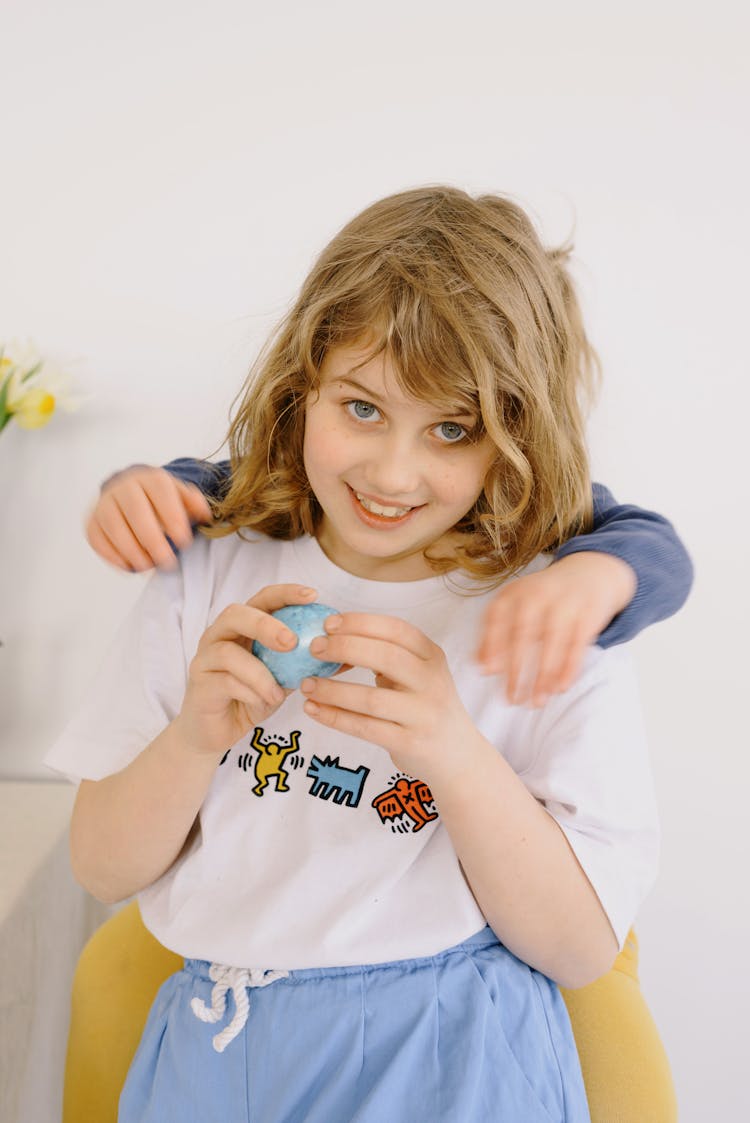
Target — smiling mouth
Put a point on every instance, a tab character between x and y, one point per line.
380	513
377	509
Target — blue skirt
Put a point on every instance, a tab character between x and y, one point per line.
471	1035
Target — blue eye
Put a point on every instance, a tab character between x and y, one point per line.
451	432
363	411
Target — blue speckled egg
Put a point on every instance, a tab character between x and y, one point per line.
290	667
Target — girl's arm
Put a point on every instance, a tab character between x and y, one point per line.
559	853
129	828
131	825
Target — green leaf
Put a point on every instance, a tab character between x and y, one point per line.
32	371
4	412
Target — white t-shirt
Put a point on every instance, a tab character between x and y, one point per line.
312	849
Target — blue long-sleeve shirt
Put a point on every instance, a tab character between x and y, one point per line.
645	540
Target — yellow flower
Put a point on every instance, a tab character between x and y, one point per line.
32	388
33	409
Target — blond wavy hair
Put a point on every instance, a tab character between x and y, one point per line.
470	308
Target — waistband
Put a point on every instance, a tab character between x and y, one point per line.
239	980
483	939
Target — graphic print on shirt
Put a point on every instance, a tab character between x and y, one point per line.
408	800
407	805
330	778
272	754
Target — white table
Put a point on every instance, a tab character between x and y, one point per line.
45	920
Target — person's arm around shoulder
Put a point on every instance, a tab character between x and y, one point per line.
142	514
211	478
603	588
649	544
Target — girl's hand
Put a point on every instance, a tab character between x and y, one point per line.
137	511
413	710
229	691
538	627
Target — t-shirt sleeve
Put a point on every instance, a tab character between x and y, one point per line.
136	692
590	769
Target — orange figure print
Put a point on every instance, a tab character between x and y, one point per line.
406	798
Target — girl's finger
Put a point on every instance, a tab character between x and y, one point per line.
99	542
492	653
145	525
375	730
113	524
167	497
272	597
369	701
388	628
235	689
553	654
252	620
227	657
572	662
518	690
380	656
523	651
196	504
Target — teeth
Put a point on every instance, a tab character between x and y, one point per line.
376	509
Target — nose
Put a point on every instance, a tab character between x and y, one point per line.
396	472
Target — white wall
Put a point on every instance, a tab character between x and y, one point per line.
167	176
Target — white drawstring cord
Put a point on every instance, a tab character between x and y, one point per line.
236	979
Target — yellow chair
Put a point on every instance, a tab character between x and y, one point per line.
625	1068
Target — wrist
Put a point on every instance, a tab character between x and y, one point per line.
183	741
615	580
460	766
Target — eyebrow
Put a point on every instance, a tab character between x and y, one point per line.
359	386
457	411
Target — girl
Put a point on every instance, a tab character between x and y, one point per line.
390	871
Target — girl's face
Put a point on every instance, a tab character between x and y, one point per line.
392	474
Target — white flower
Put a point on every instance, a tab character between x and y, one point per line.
31	387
